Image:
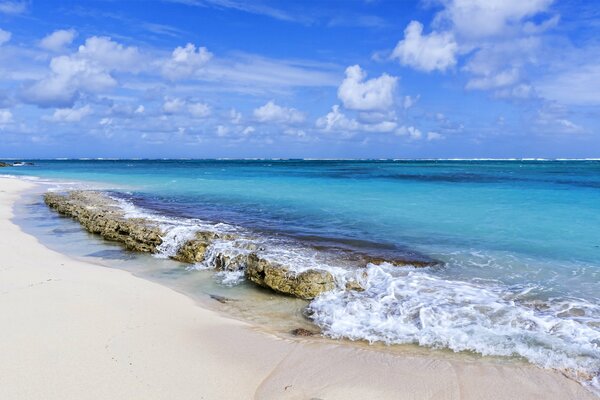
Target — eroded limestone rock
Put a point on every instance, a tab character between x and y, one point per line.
100	214
305	285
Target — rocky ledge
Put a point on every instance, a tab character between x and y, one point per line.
102	215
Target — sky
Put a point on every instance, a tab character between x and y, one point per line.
300	79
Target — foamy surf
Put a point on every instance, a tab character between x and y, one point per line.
401	306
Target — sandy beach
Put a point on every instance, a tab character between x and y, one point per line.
74	330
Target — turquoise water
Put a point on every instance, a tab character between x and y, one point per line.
519	242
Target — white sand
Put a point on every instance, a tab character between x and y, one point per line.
73	330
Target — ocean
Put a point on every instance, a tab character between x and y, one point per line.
517	242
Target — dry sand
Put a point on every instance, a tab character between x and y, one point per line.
73	330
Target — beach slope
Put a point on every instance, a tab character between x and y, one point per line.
74	330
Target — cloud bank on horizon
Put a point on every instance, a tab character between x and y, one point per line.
214	78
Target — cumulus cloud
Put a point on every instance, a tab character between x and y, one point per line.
272	112
5	117
86	71
235	116
366	95
436	51
58	40
70	114
185	61
409	131
434	136
110	55
173	105
4	36
199	110
337	121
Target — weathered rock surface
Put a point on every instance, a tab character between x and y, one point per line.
101	215
305	285
231	263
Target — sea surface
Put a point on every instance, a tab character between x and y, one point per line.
518	242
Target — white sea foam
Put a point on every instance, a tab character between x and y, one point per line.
411	306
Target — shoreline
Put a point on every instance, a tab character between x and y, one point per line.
78	330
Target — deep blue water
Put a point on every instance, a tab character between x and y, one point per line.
526	231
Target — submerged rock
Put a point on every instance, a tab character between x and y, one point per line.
102	215
303	332
397	262
305	285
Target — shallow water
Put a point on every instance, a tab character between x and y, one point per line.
519	241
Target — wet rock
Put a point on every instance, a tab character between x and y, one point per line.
231	263
305	285
3	164
402	262
193	251
220	299
303	332
355	286
102	215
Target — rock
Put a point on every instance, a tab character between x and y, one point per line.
305	285
3	164
193	251
402	262
102	215
355	286
303	332
229	263
220	299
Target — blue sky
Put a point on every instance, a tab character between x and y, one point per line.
331	79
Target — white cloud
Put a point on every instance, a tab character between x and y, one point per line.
410	101
199	110
578	84
58	40
106	121
248	130
476	19
500	79
235	116
13	7
554	118
336	121
436	51
222	130
71	114
140	109
4	36
88	70
185	61
410	131
272	112
434	136
366	95
110	55
5	117
173	105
